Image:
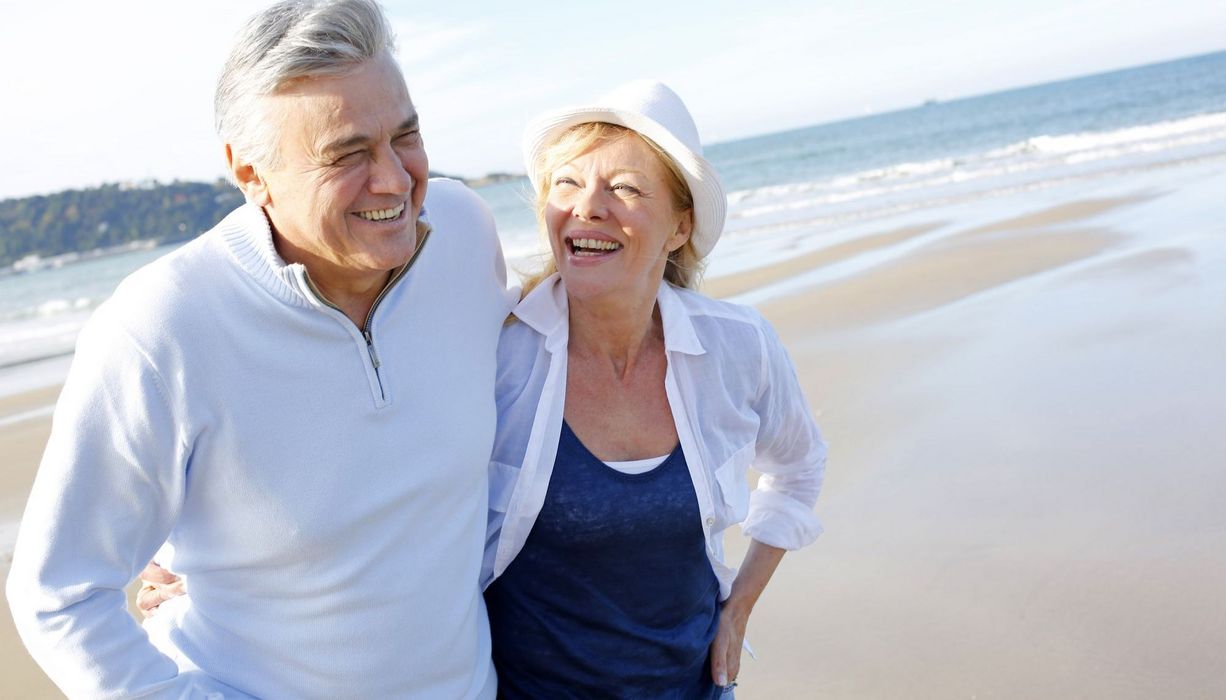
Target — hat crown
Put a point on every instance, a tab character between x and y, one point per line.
657	102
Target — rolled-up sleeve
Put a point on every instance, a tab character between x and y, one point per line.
791	455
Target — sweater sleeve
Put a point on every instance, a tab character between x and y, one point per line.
107	493
791	455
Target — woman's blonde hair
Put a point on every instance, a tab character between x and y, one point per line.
684	266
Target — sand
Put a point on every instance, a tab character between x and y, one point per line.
1024	496
22	446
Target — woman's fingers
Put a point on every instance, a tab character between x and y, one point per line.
719	653
733	658
151	596
153	573
160	585
726	651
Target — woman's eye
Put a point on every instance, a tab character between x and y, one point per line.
624	190
558	182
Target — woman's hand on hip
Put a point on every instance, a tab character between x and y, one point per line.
726	648
756	570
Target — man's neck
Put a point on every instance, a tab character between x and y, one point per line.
353	293
354	297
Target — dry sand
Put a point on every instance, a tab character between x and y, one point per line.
1024	497
22	446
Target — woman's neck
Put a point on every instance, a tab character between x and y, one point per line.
616	331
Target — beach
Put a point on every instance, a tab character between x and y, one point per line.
1024	491
1022	392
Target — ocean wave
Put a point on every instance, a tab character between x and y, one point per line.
1208	126
1035	157
47	309
55	307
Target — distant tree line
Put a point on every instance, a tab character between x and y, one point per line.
83	220
111	215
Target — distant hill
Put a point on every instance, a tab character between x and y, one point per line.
78	221
111	215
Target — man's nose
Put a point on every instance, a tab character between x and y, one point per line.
388	174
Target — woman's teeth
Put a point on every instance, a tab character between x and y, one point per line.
592	246
381	214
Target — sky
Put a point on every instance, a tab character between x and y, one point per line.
98	92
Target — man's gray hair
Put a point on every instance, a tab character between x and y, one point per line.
290	40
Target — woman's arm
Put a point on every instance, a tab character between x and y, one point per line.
790	455
760	563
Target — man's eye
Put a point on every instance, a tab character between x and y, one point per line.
409	138
349	158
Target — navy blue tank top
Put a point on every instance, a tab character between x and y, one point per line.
612	595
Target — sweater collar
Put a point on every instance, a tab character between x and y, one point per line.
248	235
545	310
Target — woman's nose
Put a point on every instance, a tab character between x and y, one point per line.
590	204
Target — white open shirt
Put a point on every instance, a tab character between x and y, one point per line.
735	401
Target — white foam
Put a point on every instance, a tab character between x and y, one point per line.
1017	166
37	374
32	414
1211	125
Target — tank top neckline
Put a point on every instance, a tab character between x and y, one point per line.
668	459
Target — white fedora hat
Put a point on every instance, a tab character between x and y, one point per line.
655	111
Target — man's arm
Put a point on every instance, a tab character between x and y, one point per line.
106	495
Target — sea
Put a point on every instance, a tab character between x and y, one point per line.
805	184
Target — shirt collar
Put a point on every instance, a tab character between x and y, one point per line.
679	333
545	310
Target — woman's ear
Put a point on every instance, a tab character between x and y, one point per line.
685	227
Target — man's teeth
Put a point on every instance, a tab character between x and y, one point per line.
381	214
589	245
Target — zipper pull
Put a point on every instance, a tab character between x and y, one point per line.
370	347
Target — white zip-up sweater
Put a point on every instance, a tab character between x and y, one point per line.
325	496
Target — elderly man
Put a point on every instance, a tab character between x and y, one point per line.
299	404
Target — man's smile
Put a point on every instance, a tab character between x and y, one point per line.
382	214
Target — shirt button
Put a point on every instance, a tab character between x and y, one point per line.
710	521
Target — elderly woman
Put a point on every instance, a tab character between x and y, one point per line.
630	409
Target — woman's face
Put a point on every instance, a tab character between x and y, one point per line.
612	221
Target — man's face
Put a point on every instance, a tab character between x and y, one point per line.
351	178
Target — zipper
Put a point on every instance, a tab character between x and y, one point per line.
370	315
365	330
370	348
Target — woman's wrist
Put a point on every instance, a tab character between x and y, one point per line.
738	607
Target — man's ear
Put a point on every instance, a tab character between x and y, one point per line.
248	179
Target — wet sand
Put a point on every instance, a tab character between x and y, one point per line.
1024	495
1025	488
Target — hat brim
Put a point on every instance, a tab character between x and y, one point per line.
710	202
